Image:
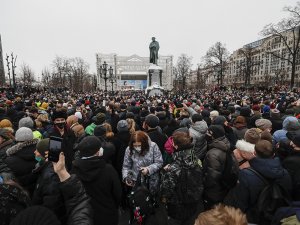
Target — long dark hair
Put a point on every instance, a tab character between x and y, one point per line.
139	136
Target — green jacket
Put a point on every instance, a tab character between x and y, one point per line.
89	130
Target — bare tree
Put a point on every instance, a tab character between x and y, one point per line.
286	32
216	57
247	66
26	74
182	69
46	77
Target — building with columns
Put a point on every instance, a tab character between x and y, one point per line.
132	71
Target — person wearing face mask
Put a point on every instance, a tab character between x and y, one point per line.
100	180
61	130
47	192
142	155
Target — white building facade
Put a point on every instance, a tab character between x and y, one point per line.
132	71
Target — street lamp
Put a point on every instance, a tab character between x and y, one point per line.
103	74
112	78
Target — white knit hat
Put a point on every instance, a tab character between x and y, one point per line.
24	134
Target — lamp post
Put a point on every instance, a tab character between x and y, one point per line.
103	74
112	78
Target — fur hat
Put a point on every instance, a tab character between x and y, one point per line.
26	122
122	126
43	146
59	114
24	134
275	113
152	121
5	123
216	131
252	136
266	135
89	146
245	146
263	124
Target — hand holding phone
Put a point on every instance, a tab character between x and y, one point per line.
55	148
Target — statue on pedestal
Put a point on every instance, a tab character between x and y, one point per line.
154	47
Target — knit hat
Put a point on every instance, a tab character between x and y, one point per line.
99	130
26	122
36	215
296	140
266	109
263	124
24	134
99	118
5	123
43	146
78	115
89	146
252	136
255	108
214	114
219	120
152	121
44	105
59	114
122	126
216	131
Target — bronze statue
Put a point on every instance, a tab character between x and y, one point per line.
154	47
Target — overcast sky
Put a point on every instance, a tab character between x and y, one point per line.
38	30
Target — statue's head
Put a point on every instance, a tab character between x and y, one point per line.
153	38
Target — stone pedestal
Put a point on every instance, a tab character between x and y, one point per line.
154	81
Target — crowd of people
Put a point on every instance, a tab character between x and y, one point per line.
201	157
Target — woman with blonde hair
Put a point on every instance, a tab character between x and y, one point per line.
131	125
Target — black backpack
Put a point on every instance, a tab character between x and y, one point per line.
189	187
141	200
230	173
271	197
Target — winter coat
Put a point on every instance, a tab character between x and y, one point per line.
13	200
158	138
77	202
163	120
291	164
239	132
243	146
176	209
89	130
198	133
120	141
21	160
102	184
287	124
4	146
47	192
152	160
244	196
213	168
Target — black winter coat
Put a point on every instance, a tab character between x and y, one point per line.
213	168
291	164
47	192
158	138
21	161
102	184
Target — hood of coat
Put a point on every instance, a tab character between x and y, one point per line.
200	127
88	169
19	146
291	123
221	143
184	156
245	146
269	168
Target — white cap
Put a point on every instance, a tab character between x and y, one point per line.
78	115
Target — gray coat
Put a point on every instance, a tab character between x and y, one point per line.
152	160
198	132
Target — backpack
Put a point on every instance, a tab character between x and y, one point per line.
230	173
141	201
271	197
189	187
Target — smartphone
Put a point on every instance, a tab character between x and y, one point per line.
55	146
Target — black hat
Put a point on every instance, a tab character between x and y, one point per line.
216	131
219	120
123	107
152	121
99	118
99	130
59	114
89	146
